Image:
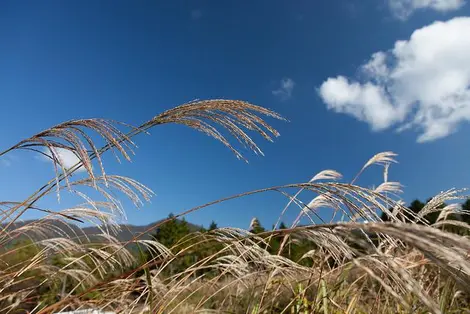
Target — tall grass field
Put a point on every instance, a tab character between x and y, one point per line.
375	254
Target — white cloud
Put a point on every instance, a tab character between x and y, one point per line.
66	157
196	14
404	8
377	66
366	102
286	89
423	82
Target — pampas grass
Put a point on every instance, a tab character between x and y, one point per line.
352	263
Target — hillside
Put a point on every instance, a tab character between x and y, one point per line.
126	233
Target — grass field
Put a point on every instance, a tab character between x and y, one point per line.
353	263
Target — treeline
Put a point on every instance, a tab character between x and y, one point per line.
178	235
432	217
193	246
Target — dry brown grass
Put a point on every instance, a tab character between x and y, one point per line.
357	263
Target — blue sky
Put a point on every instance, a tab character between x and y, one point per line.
311	61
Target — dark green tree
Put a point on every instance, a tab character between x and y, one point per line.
466	211
256	227
171	235
212	226
172	231
415	207
275	240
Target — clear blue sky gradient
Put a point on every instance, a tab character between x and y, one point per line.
130	60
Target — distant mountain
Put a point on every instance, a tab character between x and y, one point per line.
126	233
129	231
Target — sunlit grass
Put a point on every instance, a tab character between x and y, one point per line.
352	263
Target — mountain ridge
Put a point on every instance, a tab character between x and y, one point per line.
126	231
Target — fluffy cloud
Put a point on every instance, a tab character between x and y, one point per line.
66	157
404	8
423	82
286	88
366	102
